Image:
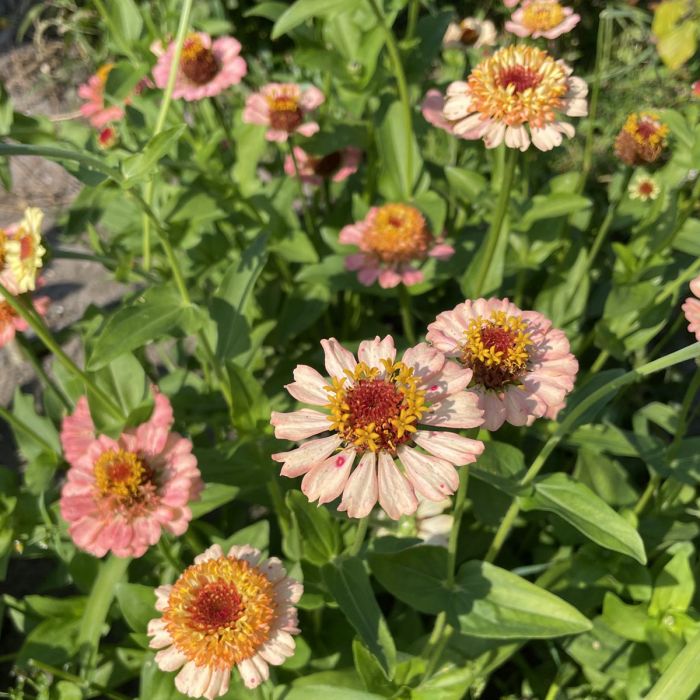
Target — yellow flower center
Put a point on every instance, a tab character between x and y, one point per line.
376	411
197	62
541	16
285	113
646	129
496	349
220	612
122	474
398	234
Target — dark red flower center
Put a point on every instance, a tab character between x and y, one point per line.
469	36
216	604
328	165
520	78
198	62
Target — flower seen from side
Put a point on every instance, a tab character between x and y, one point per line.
470	33
21	252
374	409
11	322
643	187
691	309
313	170
516	95
95	110
283	108
121	494
107	138
225	611
392	239
542	18
642	139
522	367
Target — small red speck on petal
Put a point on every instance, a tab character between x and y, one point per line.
340	461
434	387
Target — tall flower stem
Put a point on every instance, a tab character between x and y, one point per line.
570	422
496	230
308	223
406	314
413	10
360	534
41	372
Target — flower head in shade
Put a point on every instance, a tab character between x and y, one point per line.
207	67
107	138
337	166
120	494
373	409
94	109
22	251
392	239
470	33
225	610
642	139
522	367
691	308
12	323
643	187
542	18
516	96
283	107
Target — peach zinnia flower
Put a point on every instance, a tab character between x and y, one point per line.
642	139
542	18
21	252
225	610
119	494
517	86
94	109
10	322
391	238
206	67
691	309
337	166
522	367
374	409
643	187
470	32
282	107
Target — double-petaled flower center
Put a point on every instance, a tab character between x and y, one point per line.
497	349
541	15
122	474
398	234
285	112
646	129
198	62
376	410
215	605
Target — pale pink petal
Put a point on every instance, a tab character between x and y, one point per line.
301	460
299	425
77	432
456	411
326	481
337	358
449	446
396	495
308	386
311	99
372	352
360	493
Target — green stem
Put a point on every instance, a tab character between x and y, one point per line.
402	85
60	673
496	229
681	679
648	493
308	223
406	314
570	421
668	336
599	362
457	514
41	372
413	10
360	533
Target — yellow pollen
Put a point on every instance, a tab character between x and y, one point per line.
541	16
646	129
120	473
103	72
220	612
398	234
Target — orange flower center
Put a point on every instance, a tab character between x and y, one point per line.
122	474
7	313
220	612
398	234
197	62
541	16
285	113
26	246
646	188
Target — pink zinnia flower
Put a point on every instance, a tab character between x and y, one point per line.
392	239
522	367
206	67
282	107
374	410
542	18
338	165
119	494
225	610
10	322
691	309
431	109
94	109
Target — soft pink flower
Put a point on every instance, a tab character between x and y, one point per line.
392	239
691	309
225	610
522	367
94	109
282	107
119	494
10	322
375	408
338	165
542	18
206	67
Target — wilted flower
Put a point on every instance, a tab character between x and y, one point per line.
517	86
282	107
337	166
542	18
643	187
642	139
225	610
375	407
21	252
119	494
11	323
470	32
94	109
691	309
522	367
391	238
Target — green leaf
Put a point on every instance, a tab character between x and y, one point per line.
370	670
302	10
137	603
628	621
467	184
676	32
40	435
348	583
588	513
256	535
314	692
250	403
156	684
268	10
682	678
143	164
126	20
123	78
502	466
214	496
551	206
395	180
319	532
674	586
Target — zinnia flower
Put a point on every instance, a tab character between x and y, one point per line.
94	109
206	67
542	18
374	411
107	138
119	494
21	252
643	187
225	610
11	323
522	367
338	165
517	86
642	139
391	238
470	32
691	309
282	107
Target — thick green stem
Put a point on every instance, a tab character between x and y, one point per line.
406	314
360	534
413	10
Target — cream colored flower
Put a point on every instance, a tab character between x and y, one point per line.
23	250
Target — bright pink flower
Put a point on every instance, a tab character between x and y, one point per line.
522	367
338	165
119	494
542	18
206	67
225	610
94	109
392	239
691	309
282	107
374	411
